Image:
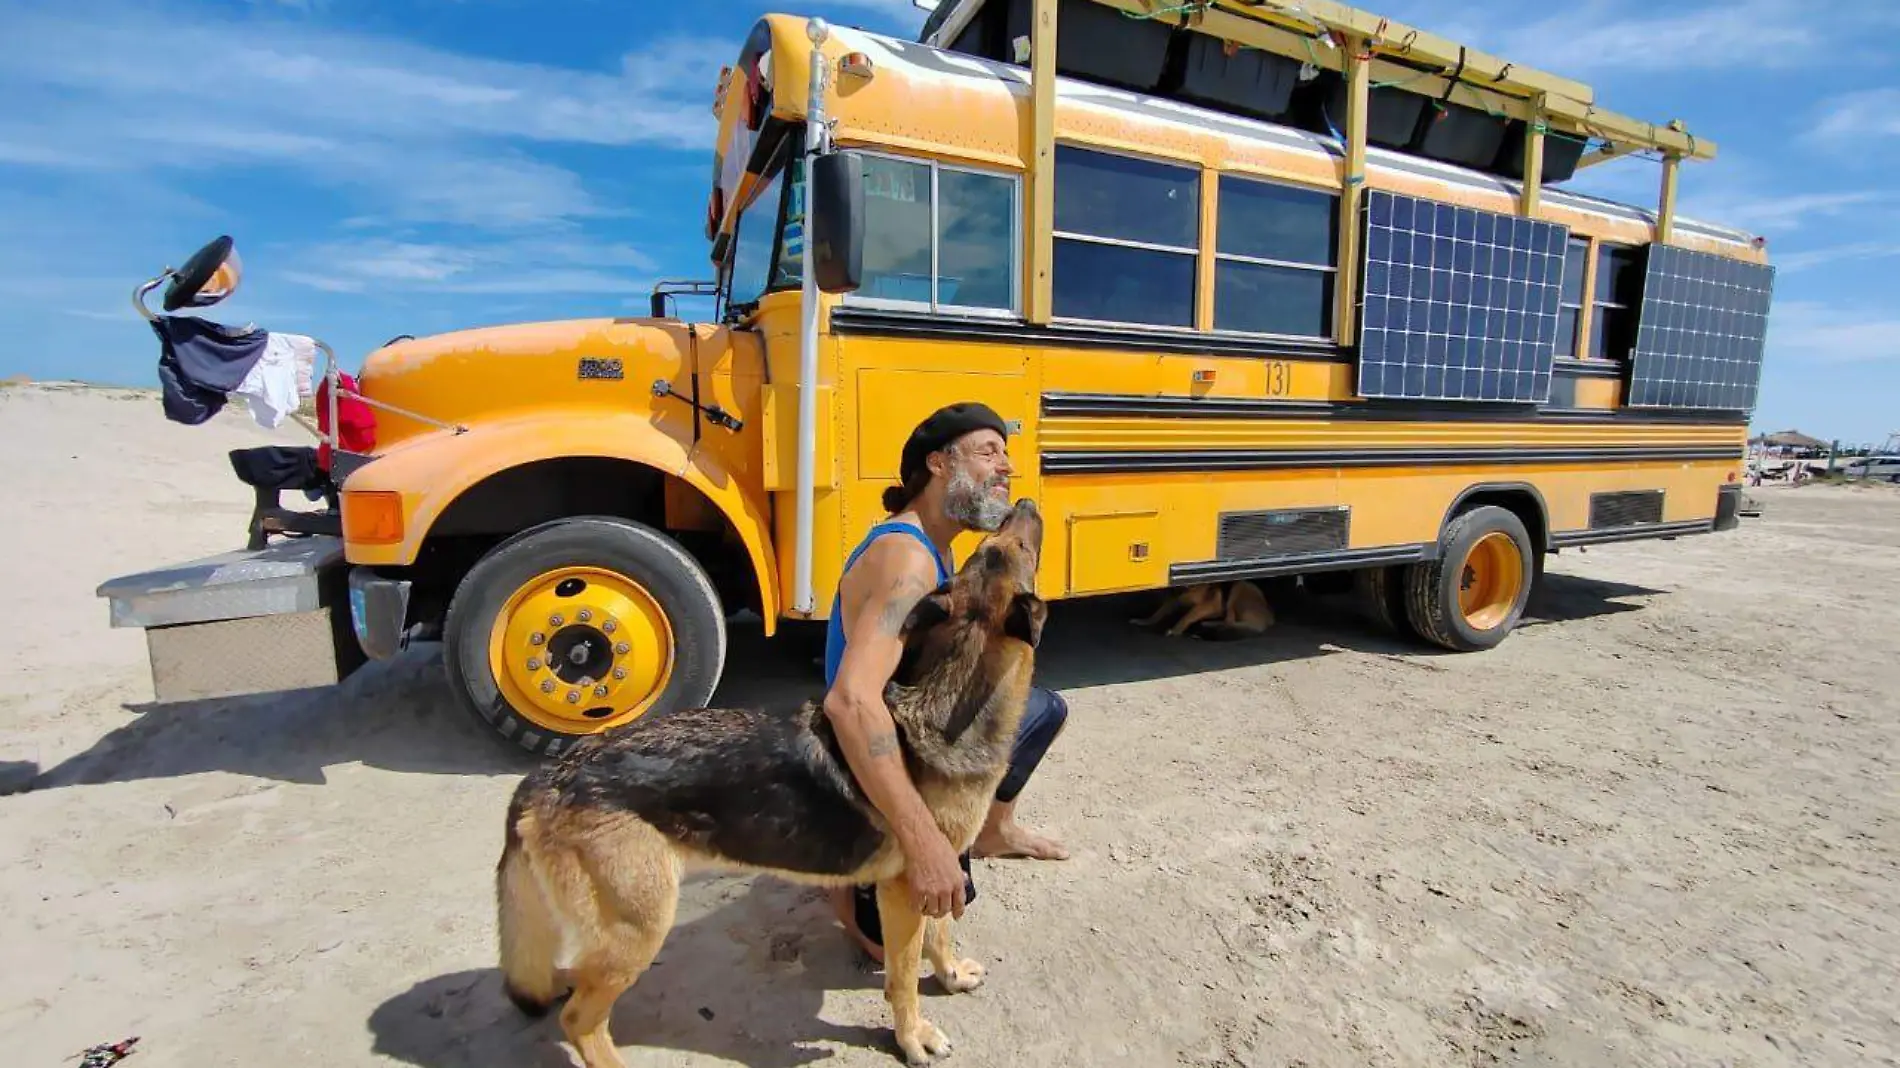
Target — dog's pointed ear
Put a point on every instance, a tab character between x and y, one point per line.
933	608
1027	614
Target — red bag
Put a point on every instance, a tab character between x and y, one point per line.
357	418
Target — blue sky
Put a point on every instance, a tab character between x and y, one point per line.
409	166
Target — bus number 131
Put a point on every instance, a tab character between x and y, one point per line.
1279	378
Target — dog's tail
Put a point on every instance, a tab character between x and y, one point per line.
530	931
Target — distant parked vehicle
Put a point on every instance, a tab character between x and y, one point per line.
1880	468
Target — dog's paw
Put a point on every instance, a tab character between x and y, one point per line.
961	977
924	1044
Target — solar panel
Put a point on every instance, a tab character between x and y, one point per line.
1458	304
1700	331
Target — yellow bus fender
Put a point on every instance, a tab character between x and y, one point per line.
431	472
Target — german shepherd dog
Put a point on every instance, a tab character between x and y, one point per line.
597	841
1218	611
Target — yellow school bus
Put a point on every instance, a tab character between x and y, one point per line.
1262	289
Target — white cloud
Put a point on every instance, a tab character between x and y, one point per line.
420	133
1848	253
1872	113
521	266
1823	333
1595	37
1769	213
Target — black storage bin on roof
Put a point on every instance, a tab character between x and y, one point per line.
1249	82
1391	113
1562	153
1462	135
1098	44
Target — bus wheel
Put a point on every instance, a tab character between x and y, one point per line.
579	626
1381	592
1470	598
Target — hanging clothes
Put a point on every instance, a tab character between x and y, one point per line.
200	363
358	432
280	378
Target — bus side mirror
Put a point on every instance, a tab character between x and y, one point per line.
837	232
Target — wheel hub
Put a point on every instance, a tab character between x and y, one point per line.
580	650
1490	581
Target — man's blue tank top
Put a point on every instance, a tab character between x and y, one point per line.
834	632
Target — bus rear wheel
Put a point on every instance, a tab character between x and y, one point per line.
1381	592
1473	594
580	626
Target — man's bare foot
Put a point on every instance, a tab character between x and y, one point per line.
1009	840
845	909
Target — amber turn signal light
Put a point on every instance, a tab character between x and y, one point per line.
372	517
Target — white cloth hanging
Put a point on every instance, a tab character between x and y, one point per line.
280	378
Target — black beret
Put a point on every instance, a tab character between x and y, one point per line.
942	427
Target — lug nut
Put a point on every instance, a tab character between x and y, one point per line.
585	615
534	663
623	648
586	681
547	686
573	697
601	690
620	673
556	621
610	626
537	638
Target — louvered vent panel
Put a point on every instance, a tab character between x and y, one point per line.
1625	509
1261	535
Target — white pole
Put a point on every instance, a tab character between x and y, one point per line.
802	600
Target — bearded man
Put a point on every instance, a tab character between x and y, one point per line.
954	477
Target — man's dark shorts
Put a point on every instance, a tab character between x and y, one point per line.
1043	718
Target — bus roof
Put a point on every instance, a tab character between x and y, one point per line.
951	105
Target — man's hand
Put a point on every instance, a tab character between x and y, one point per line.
936	879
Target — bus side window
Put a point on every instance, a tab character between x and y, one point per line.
1276	259
1619	291
752	252
1570	304
1127	239
939	237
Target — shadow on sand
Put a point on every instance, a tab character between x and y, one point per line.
400	715
745	982
1567	598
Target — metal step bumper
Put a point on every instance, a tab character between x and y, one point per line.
243	622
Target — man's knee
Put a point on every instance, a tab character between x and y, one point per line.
1045	714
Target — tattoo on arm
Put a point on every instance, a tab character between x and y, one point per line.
883	744
905	592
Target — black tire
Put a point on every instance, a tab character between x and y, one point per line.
1432	587
1381	593
673	578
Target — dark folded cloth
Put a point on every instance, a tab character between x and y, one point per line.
281	467
199	362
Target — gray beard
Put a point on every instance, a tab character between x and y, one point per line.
967	503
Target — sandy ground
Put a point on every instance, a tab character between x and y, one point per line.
1656	827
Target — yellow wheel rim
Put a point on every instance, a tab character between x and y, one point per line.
580	650
1493	577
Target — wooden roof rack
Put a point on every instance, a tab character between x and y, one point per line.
1327	34
1499	84
1362	49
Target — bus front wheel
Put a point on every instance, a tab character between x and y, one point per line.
1473	594
579	626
